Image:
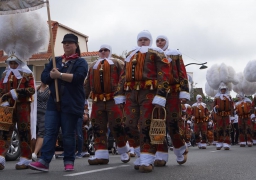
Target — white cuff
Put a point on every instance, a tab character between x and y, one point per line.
5	104
102	154
146	159
161	156
14	94
179	151
185	95
123	149
159	100
119	99
85	102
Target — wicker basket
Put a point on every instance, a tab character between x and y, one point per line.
157	130
6	116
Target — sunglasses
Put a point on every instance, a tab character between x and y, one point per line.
162	40
103	50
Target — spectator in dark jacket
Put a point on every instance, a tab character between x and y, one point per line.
70	72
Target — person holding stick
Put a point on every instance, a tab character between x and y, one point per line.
70	72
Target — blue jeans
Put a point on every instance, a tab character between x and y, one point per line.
53	121
79	133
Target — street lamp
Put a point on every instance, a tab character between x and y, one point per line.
202	65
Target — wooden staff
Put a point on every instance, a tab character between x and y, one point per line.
52	48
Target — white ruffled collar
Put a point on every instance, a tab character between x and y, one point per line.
16	72
101	59
142	49
223	95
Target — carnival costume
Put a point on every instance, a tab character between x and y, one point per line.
144	82
161	156
220	78
250	76
200	117
19	84
175	125
102	82
244	109
253	118
186	117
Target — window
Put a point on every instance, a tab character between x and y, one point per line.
39	70
2	69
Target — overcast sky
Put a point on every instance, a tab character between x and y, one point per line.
211	31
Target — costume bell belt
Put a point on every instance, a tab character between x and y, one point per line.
223	113
244	116
201	120
102	97
148	84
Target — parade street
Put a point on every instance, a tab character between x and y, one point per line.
237	163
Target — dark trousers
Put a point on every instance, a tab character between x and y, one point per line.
234	133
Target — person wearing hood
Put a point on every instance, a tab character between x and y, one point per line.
17	87
143	85
179	92
223	109
243	109
253	118
102	82
200	117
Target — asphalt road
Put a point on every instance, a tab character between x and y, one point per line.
236	164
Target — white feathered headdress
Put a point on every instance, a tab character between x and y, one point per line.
209	91
244	87
23	34
249	71
221	75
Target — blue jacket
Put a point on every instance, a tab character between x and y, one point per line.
72	96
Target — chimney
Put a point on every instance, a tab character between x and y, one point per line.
1	53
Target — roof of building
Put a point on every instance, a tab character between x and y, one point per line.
93	53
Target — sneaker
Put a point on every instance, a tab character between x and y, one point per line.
69	167
34	157
53	157
85	154
60	155
38	166
125	157
189	144
79	156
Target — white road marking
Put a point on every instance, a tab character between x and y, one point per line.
96	170
213	151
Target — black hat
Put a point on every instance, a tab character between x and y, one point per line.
70	38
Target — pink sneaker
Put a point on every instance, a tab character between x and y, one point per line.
69	167
38	166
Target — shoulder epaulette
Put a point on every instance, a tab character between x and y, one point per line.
159	53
